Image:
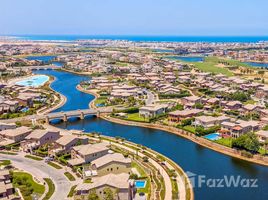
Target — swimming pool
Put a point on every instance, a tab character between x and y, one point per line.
213	136
140	184
34	81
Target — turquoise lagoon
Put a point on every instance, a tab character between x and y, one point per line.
34	81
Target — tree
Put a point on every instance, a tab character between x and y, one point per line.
93	196
248	142
108	194
187	122
199	106
265	145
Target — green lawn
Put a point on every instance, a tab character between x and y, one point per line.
139	169
136	117
52	164
100	100
208	66
8	153
189	128
5	162
33	157
251	101
225	142
69	176
27	185
72	190
51	188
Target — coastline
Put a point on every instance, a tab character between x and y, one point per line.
258	159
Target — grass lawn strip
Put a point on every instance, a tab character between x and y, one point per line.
33	157
27	185
51	188
56	166
69	176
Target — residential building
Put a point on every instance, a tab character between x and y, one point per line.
65	143
122	188
209	121
151	111
114	163
83	154
179	115
11	136
39	138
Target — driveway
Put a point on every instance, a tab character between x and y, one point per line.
150	98
40	170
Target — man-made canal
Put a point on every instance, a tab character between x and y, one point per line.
190	156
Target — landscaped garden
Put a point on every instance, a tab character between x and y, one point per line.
27	185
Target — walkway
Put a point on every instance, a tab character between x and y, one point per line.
164	174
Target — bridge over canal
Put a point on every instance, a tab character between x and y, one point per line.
41	67
64	115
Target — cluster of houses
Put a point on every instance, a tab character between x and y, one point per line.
16	98
11	48
103	166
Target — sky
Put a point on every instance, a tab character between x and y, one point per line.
134	17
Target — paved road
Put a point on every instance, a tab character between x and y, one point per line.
150	98
40	170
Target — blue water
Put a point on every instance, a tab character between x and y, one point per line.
190	156
35	81
213	136
66	84
45	59
164	50
149	38
254	64
140	184
187	58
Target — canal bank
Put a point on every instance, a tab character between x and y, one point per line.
258	159
190	156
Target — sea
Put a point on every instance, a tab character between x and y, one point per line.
136	38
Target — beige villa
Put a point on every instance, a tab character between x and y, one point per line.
11	136
83	154
39	138
114	163
152	110
122	188
65	143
